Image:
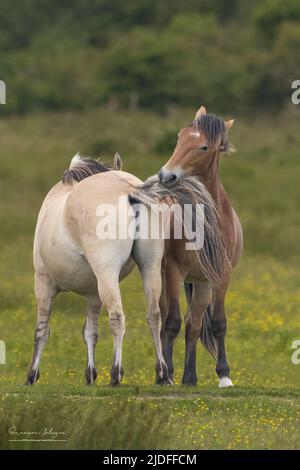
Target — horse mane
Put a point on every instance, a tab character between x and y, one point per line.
215	131
213	256
81	168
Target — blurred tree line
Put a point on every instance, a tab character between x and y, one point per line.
232	55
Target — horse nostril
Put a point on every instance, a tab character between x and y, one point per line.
168	179
171	180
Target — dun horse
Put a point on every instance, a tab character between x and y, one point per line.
69	256
206	274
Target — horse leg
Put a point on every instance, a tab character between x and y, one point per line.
218	324
148	255
110	295
193	323
90	335
170	313
45	291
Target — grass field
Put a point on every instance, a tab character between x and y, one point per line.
262	411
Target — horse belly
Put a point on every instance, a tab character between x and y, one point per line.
77	276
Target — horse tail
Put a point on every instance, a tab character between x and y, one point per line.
206	334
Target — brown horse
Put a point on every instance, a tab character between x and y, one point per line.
197	154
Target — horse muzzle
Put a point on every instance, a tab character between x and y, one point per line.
167	178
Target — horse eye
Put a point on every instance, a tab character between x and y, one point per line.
204	148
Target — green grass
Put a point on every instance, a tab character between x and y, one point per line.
262	410
137	418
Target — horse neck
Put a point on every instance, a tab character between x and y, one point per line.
212	181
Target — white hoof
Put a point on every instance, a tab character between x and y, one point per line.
225	382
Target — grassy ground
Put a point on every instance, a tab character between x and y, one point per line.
263	409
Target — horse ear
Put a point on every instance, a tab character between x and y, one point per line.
117	162
229	124
201	112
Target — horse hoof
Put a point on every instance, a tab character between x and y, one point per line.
225	382
90	375
32	377
164	381
189	381
114	383
116	375
163	377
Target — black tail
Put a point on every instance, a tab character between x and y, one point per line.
206	334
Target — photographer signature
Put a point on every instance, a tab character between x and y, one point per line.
45	434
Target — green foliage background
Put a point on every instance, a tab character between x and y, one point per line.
235	55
